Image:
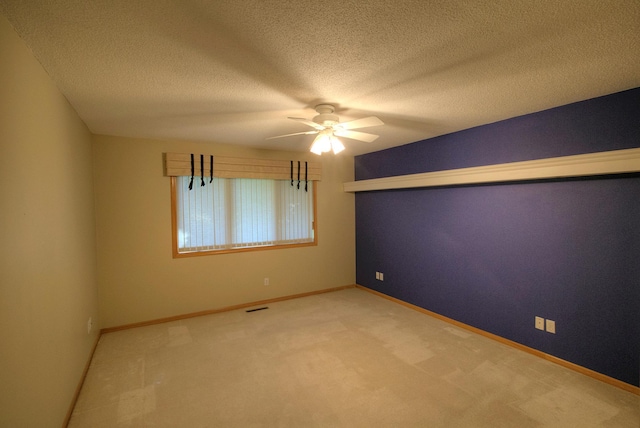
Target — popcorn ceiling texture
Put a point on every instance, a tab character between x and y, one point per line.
232	71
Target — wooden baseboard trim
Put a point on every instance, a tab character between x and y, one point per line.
575	367
224	309
74	400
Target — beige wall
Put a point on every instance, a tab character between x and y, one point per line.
56	209
48	284
140	281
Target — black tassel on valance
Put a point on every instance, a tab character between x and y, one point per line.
306	175
201	170
193	170
291	173
192	173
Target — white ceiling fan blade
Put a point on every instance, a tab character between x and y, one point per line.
365	122
362	136
308	122
290	135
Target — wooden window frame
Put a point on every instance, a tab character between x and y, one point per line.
174	231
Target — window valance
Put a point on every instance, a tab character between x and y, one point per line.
191	164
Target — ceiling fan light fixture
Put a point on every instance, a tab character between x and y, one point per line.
321	144
315	149
336	145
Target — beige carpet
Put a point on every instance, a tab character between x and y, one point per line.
341	359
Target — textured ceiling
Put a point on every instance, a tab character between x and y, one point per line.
231	71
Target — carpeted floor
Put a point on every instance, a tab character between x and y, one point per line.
340	359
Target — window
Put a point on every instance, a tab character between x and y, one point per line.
241	214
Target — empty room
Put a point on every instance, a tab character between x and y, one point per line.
319	214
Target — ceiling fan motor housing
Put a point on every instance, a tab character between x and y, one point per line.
326	116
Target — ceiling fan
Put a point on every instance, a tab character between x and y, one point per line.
327	126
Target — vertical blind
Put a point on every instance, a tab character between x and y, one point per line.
241	213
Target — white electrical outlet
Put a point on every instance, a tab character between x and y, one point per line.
89	325
266	281
540	323
378	275
551	326
381	276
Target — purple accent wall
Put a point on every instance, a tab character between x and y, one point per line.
496	256
607	123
